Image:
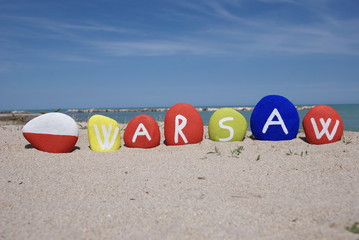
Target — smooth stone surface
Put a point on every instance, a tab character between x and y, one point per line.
227	125
103	133
52	132
142	132
323	125
274	118
183	125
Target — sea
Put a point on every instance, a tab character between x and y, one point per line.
348	112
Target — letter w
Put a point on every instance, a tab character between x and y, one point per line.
106	144
325	126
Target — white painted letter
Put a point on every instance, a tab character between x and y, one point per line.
325	126
230	129
179	127
106	144
141	131
270	121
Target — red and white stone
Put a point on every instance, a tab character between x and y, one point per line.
322	125
183	125
142	132
52	132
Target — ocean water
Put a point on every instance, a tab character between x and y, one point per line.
348	112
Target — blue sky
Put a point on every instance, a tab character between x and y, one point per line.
142	53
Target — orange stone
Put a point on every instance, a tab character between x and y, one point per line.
142	132
322	125
183	125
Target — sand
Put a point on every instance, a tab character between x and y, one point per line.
270	190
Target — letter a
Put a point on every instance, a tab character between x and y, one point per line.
141	131
179	127
270	121
230	129
325	130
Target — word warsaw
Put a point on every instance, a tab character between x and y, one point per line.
274	118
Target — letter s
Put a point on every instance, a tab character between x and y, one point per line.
230	129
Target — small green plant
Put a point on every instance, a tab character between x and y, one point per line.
81	126
303	153
216	151
56	110
294	153
289	153
237	151
17	118
353	228
346	141
258	158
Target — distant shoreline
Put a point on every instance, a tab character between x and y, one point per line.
101	110
349	113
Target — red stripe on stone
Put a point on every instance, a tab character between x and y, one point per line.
51	143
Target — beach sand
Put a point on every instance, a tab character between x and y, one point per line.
270	190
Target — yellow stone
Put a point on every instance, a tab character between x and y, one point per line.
103	133
227	125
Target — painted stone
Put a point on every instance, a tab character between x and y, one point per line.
274	118
103	133
322	125
52	132
142	132
227	125
183	125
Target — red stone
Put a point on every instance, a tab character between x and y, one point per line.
183	125
51	143
322	125
142	132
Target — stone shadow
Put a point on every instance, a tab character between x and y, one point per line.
30	146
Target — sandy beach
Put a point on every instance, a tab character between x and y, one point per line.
240	190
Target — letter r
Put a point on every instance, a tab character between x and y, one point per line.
179	126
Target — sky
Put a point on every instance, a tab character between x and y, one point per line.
156	53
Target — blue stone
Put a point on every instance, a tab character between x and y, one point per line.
274	118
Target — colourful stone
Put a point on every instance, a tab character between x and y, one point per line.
274	118
227	125
142	132
183	125
103	133
52	132
323	125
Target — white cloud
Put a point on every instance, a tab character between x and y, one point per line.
217	28
260	34
154	48
278	1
